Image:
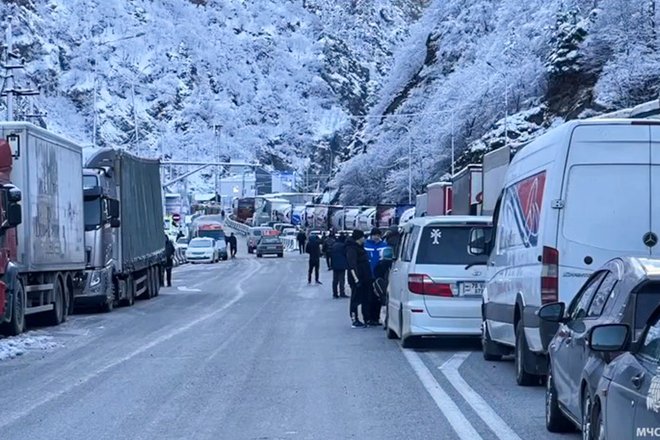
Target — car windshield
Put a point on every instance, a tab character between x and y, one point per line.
448	245
201	243
182	241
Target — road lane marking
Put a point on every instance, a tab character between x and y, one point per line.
187	289
447	406
450	370
9	417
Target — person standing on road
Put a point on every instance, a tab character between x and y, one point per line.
314	250
359	276
302	238
373	247
169	260
233	245
339	266
327	248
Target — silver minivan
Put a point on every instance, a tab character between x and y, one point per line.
436	282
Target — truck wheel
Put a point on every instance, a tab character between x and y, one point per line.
17	324
55	316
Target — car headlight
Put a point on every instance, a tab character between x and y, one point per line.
95	279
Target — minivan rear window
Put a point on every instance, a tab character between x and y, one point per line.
449	245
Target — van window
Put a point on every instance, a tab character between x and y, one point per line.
409	246
600	213
449	245
519	217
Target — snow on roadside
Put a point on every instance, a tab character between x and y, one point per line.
19	345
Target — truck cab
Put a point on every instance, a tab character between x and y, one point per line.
101	218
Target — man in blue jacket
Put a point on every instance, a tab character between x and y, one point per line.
339	265
373	246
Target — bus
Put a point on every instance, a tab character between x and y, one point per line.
243	209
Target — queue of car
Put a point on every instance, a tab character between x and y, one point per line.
567	278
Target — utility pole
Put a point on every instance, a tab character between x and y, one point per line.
10	90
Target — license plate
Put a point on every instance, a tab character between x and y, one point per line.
470	289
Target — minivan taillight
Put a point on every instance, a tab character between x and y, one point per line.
549	275
424	285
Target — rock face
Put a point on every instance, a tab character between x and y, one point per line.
468	64
279	81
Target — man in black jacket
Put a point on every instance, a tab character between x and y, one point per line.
169	260
302	238
339	266
359	276
314	250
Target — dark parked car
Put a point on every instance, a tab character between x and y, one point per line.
623	291
270	246
627	404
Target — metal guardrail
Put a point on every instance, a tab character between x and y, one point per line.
237	226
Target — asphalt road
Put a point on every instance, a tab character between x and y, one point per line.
245	349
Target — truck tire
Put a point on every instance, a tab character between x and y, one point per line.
16	325
56	316
130	293
108	305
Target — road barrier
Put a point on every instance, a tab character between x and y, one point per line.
290	243
237	226
179	257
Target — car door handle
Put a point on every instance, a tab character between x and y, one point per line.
395	270
637	380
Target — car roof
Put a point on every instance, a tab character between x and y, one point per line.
643	267
448	220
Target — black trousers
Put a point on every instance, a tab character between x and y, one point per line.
167	272
357	299
301	247
314	264
373	304
233	251
338	282
327	260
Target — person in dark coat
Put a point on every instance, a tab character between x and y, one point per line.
382	274
359	277
169	260
327	248
339	265
233	245
313	248
302	238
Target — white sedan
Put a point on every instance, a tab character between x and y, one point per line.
202	250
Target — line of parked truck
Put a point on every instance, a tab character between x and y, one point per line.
566	280
75	231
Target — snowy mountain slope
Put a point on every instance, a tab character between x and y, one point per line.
265	79
550	59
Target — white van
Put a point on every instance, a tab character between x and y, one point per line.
436	283
574	198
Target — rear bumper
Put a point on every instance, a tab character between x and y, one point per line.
423	324
270	252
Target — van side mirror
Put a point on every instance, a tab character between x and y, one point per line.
479	241
609	337
115	222
13	214
552	312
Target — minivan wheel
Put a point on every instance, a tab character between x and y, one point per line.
555	420
489	348
523	378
